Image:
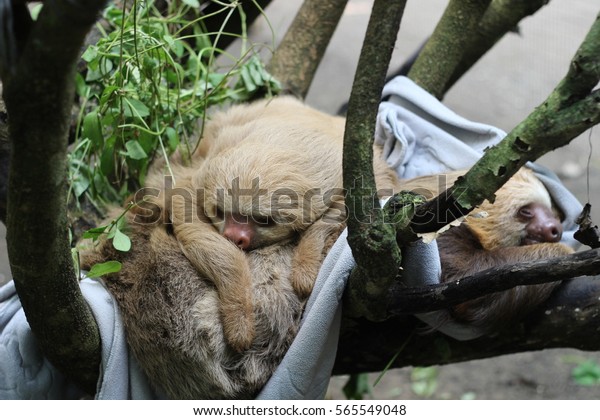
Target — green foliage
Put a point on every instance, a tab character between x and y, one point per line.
424	381
114	230
147	84
104	268
587	373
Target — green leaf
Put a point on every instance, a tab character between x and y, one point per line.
90	53
135	108
107	158
80	185
101	269
92	129
357	387
107	94
147	141
135	150
121	242
192	3
175	45
94	233
173	138
587	373
97	72
247	79
424	381
256	72
81	87
35	11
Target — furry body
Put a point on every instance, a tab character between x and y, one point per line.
270	172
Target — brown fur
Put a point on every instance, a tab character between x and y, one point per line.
489	237
172	316
205	319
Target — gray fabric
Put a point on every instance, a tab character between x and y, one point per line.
306	368
26	374
420	136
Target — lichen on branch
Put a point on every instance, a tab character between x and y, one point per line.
376	270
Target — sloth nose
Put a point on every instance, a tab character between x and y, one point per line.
238	232
239	237
551	232
242	242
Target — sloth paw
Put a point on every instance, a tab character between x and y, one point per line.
238	327
302	281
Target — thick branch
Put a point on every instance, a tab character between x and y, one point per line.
571	318
443	52
583	74
371	239
501	17
39	90
296	59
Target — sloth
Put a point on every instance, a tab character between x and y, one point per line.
521	225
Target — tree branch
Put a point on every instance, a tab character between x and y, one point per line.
501	17
444	51
372	240
297	57
571	318
39	91
430	298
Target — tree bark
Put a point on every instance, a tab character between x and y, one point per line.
372	240
570	318
39	91
443	52
299	54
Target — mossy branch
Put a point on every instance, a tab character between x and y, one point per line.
372	239
443	52
38	90
502	16
297	57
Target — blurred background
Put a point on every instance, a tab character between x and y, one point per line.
501	90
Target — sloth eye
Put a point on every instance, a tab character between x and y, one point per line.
219	214
266	221
525	212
